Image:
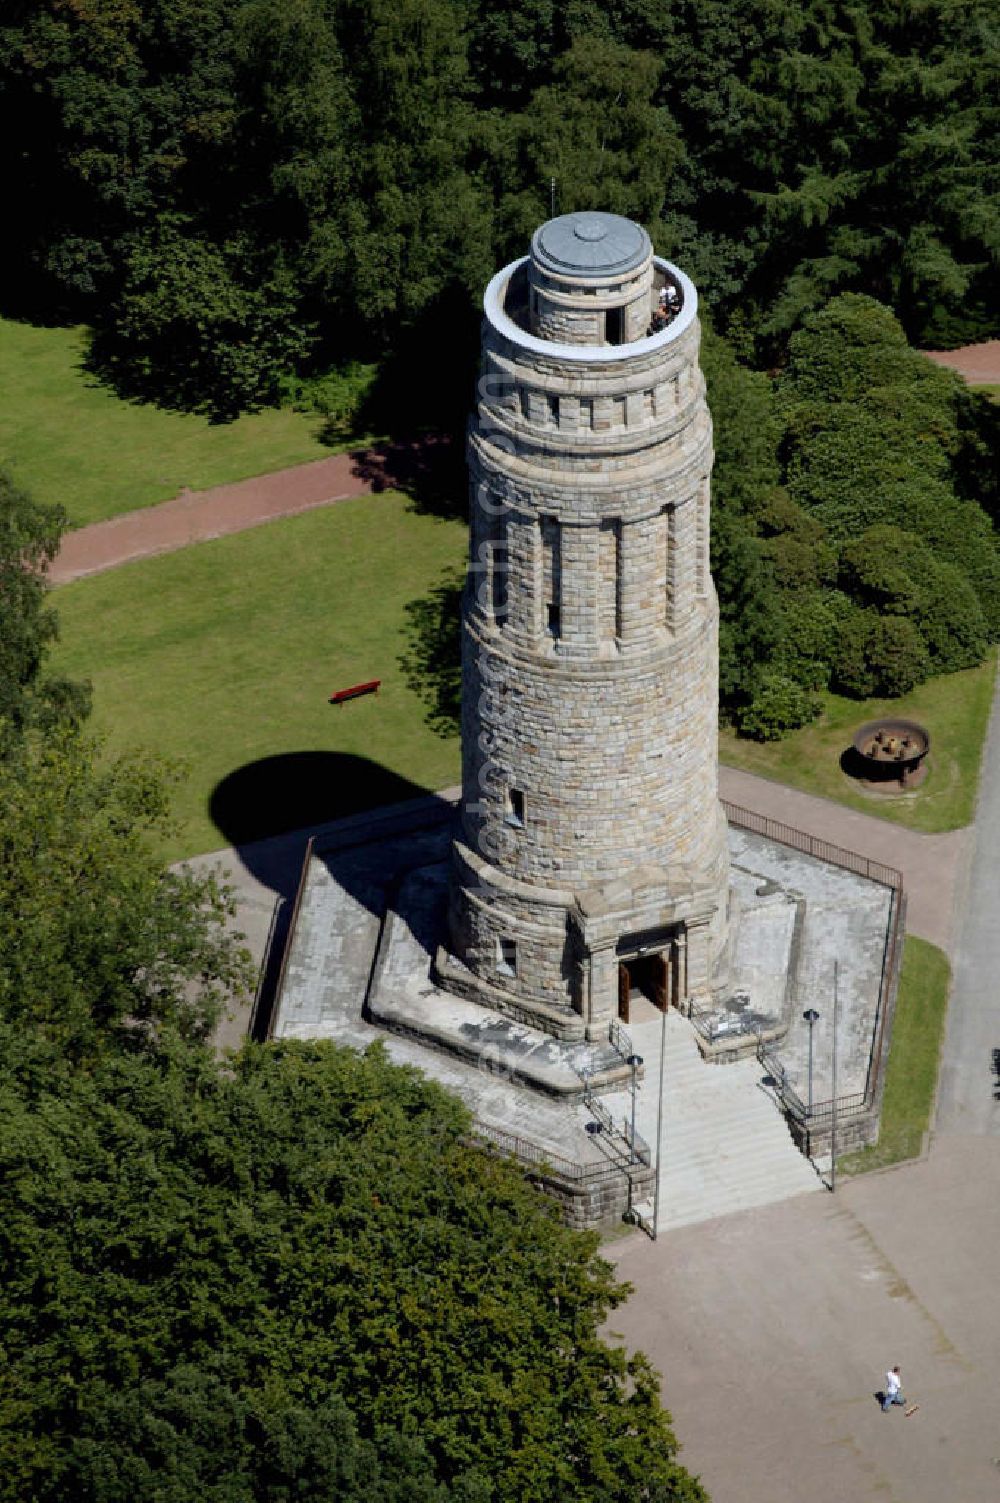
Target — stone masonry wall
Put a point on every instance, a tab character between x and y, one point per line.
581	741
568	311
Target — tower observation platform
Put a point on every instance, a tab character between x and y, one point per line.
592	858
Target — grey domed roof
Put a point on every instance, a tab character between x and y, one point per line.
590	244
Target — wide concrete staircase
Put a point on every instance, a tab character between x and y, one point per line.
725	1146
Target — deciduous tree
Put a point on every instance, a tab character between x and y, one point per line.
209	1266
29	695
96	940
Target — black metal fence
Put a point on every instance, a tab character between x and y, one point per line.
847	1105
534	1156
810	845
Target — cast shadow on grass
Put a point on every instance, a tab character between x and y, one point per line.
269	809
854	765
432	659
280	801
430	469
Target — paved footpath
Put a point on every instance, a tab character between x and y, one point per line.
773	1330
197	516
969	1087
978	363
932	865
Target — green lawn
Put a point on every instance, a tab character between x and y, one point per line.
954	708
225	653
911	1077
68	439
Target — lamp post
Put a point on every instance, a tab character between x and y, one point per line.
812	1018
635	1060
659	1126
833	1104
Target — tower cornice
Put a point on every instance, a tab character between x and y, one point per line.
583	355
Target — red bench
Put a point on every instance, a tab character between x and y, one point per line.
355	691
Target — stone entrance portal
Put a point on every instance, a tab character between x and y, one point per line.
648	975
652	974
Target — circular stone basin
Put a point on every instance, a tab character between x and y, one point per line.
890	754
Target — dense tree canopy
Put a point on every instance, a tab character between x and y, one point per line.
848	545
229	188
95	939
858	142
291	1278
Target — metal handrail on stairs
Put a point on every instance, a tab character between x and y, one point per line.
620	1039
639	1152
791	1102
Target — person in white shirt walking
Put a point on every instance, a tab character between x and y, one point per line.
892	1394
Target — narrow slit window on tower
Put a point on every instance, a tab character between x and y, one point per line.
550	577
499	561
506	956
701	536
515	807
614	326
498	580
610	581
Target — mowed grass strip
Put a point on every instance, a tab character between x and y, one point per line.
914	1056
66	438
955	709
227	652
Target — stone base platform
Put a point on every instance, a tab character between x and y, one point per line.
403	997
417	989
370	921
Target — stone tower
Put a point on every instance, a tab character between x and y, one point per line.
592	860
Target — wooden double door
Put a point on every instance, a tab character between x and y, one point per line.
654	976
